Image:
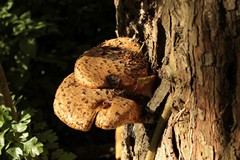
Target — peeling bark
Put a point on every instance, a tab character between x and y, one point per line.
194	46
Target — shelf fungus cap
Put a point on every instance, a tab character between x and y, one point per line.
122	111
125	43
115	63
78	106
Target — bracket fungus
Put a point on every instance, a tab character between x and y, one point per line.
116	63
97	89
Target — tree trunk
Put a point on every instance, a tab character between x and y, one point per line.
194	48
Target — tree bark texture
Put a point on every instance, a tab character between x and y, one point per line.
194	48
5	96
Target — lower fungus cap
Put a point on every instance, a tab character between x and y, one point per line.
78	106
122	111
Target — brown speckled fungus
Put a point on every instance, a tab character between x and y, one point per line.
95	89
77	106
122	111
114	63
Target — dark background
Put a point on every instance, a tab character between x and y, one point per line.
39	44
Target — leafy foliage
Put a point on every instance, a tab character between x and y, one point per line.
18	140
39	43
15	140
38	34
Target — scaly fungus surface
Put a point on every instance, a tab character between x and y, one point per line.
97	89
116	63
77	106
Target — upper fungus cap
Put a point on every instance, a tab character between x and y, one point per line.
78	106
116	63
125	43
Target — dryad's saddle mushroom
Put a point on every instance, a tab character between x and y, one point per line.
97	89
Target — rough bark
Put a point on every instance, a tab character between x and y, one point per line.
5	97
194	46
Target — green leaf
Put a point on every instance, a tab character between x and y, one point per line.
9	5
18	28
26	118
32	147
68	156
60	154
39	125
4	15
8	139
16	100
30	111
25	15
1	123
24	136
15	153
48	135
19	127
2	140
4	10
4	115
39	25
